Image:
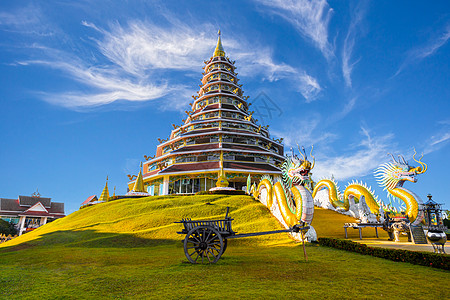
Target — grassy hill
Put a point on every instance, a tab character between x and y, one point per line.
130	249
150	221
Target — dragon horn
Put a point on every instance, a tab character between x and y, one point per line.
300	152
393	158
404	160
314	160
424	166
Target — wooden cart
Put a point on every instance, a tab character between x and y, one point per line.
206	240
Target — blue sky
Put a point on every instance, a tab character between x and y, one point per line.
87	87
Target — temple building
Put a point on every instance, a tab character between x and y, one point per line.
218	137
30	212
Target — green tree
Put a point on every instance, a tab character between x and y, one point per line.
7	228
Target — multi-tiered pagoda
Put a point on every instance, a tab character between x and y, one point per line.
218	139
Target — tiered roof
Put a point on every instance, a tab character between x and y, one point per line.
219	130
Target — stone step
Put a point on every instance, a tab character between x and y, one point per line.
418	235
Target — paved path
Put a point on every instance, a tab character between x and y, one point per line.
400	245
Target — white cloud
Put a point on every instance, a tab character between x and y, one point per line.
440	139
263	63
255	64
349	44
361	160
142	46
132	62
106	83
308	135
309	87
310	18
419	53
21	18
348	107
28	20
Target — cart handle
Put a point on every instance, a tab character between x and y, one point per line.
228	210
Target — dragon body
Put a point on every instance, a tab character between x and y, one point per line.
354	190
391	176
288	197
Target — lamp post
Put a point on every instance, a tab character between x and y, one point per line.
436	229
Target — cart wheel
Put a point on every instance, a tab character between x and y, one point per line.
225	244
203	244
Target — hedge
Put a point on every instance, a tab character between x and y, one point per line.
435	260
222	192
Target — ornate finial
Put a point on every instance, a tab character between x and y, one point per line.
218	33
36	194
219	49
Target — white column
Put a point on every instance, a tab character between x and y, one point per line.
43	221
21	224
166	185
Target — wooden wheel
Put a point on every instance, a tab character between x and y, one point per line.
225	244
203	244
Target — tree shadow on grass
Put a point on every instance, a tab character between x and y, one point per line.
89	239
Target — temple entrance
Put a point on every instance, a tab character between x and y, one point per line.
237	185
191	186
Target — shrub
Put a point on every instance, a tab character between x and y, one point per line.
7	228
222	192
435	260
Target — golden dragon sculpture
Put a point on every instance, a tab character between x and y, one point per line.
289	197
391	176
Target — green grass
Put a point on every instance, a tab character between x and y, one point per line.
129	249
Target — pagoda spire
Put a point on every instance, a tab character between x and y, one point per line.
219	48
139	184
105	193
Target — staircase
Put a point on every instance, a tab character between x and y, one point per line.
418	235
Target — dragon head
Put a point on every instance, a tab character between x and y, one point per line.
395	173
295	170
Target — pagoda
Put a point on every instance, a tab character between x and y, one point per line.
218	143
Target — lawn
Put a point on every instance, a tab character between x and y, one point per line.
129	249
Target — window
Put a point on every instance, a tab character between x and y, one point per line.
227	156
202	141
227	139
189	186
182	159
213	156
260	158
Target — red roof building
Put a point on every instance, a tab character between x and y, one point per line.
219	134
30	212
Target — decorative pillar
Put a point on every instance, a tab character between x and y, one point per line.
166	185
43	221
21	224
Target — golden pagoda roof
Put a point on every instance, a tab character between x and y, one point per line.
139	184
219	48
105	193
